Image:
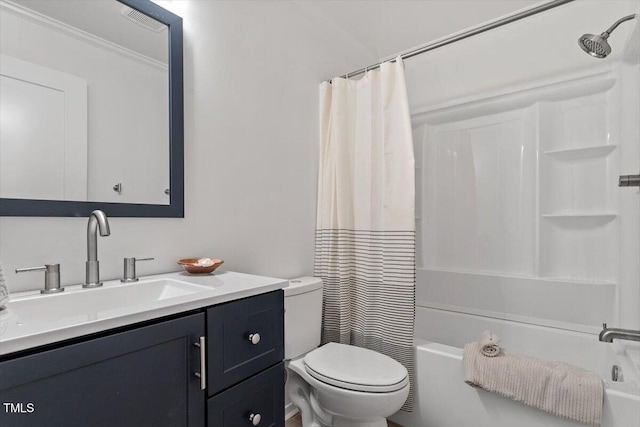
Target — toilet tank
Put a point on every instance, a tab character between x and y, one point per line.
302	316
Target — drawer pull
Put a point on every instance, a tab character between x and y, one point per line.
203	362
255	339
255	419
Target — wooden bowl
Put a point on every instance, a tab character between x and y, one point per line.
192	266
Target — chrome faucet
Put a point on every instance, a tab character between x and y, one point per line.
609	334
97	220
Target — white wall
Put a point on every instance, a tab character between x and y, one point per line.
522	53
251	99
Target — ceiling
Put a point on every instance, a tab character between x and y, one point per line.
380	28
387	27
103	19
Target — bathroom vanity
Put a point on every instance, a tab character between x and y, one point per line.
206	351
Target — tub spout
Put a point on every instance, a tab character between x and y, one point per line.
609	334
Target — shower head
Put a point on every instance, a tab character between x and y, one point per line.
597	46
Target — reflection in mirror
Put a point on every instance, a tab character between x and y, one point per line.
84	111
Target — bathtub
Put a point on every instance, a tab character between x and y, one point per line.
442	399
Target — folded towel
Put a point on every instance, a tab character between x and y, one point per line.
4	291
489	344
558	388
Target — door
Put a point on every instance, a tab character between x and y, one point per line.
43	124
137	378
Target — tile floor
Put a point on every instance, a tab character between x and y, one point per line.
296	422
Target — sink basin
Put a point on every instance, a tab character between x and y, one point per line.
31	320
107	301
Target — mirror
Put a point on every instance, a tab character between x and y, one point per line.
91	109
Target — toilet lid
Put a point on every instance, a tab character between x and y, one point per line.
355	368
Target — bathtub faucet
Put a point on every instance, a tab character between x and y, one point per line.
609	334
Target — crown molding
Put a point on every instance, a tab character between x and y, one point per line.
66	29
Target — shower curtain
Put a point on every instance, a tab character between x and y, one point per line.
365	232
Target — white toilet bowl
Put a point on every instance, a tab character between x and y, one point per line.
355	387
335	385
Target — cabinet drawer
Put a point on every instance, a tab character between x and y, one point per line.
232	356
261	395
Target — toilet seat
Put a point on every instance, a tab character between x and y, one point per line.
355	368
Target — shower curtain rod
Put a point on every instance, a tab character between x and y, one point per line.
490	26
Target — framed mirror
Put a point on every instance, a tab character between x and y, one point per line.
91	109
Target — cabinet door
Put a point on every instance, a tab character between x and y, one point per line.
142	377
260	396
232	355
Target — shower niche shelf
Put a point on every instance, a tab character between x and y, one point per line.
578	247
569	154
580	215
591	218
579	280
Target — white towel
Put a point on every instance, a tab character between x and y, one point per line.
489	344
558	388
4	290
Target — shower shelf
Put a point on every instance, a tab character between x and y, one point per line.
585	220
579	280
603	216
596	217
581	153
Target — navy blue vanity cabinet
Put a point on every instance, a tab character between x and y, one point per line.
149	375
245	374
244	337
137	378
256	401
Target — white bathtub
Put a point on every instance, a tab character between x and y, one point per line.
444	400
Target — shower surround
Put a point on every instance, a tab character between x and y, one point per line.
521	227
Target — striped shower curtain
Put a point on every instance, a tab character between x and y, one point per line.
365	232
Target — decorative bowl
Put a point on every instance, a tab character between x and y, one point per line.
200	265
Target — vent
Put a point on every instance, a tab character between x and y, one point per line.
142	19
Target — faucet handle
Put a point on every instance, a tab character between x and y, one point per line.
51	277
129	274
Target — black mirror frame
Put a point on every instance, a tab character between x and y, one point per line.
175	209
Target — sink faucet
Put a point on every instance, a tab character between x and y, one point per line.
609	334
97	220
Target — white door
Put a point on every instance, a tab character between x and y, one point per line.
32	133
43	132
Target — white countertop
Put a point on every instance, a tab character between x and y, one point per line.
20	332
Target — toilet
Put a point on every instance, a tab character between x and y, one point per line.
335	385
